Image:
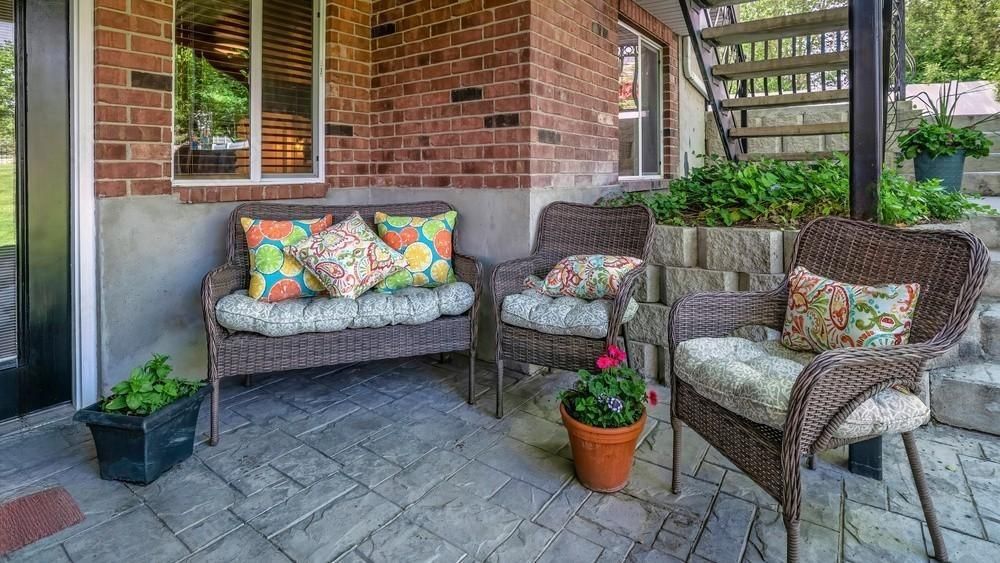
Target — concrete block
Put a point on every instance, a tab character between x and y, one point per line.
968	350
967	396
678	282
986	227
990	326
741	249
992	287
647	289
650	359
675	246
649	324
760	282
788	246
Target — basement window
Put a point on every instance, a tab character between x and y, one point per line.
247	92
640	106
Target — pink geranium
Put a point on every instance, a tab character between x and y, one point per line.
653	398
616	353
606	362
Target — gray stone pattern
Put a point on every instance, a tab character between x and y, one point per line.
384	462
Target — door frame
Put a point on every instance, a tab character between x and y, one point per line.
84	257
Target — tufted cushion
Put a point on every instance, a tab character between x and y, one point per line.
754	380
238	312
561	315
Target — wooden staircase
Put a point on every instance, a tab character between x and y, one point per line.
793	60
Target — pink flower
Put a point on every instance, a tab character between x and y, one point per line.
653	398
606	362
616	353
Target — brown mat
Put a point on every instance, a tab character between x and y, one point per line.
30	518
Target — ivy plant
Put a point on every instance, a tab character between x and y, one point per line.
148	389
614	397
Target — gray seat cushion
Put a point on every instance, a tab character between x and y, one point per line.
754	380
561	315
239	312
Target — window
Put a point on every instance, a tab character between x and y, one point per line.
247	92
640	94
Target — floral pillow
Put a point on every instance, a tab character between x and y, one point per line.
348	258
426	244
824	314
594	276
275	276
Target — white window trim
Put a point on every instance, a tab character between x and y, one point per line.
256	109
643	40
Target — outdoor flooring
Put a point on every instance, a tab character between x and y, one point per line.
385	462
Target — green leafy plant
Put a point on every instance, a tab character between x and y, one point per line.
938	135
614	397
771	193
148	389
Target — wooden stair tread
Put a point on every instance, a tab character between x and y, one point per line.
782	66
717	3
788	100
805	129
794	25
789	156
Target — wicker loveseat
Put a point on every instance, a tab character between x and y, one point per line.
246	354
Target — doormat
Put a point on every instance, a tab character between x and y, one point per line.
30	518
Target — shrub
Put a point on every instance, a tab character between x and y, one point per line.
148	389
788	194
614	397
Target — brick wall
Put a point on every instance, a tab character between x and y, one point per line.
475	93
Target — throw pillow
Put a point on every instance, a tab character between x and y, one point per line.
274	276
824	314
594	276
348	258
426	244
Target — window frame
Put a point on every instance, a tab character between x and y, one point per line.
646	41
257	178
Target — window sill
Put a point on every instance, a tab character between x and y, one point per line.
209	183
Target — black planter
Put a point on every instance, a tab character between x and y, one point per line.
140	448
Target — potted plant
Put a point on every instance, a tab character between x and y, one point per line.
147	424
604	414
939	148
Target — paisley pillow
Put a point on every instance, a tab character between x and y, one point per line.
426	244
594	276
824	314
274	276
348	258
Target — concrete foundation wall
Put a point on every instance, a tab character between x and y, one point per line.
692	129
154	252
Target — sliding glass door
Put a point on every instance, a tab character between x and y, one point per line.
35	334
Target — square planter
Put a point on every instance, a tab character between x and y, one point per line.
138	449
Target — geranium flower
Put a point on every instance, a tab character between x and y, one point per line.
653	398
616	353
606	362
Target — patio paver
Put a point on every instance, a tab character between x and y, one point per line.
386	462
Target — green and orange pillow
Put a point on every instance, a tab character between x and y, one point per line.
274	275
425	242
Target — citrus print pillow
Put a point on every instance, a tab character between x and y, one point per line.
426	244
824	314
275	276
595	276
348	258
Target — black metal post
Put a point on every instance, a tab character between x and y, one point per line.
867	108
867	115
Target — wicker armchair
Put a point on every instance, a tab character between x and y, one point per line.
565	229
245	354
951	268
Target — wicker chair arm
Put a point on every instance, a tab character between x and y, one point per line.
625	292
508	277
217	284
717	314
468	269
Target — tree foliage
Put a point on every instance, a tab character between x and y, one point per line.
7	98
207	98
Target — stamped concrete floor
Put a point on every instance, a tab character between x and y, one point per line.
385	462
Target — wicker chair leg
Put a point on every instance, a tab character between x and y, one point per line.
940	552
792	533
248	380
499	388
472	375
213	421
675	483
811	461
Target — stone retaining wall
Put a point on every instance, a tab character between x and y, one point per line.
693	259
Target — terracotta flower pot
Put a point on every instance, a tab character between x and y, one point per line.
602	456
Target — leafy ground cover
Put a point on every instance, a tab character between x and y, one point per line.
7	226
788	194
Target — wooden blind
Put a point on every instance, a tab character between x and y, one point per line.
8	211
287	87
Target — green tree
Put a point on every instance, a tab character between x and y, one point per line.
204	93
8	98
953	40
